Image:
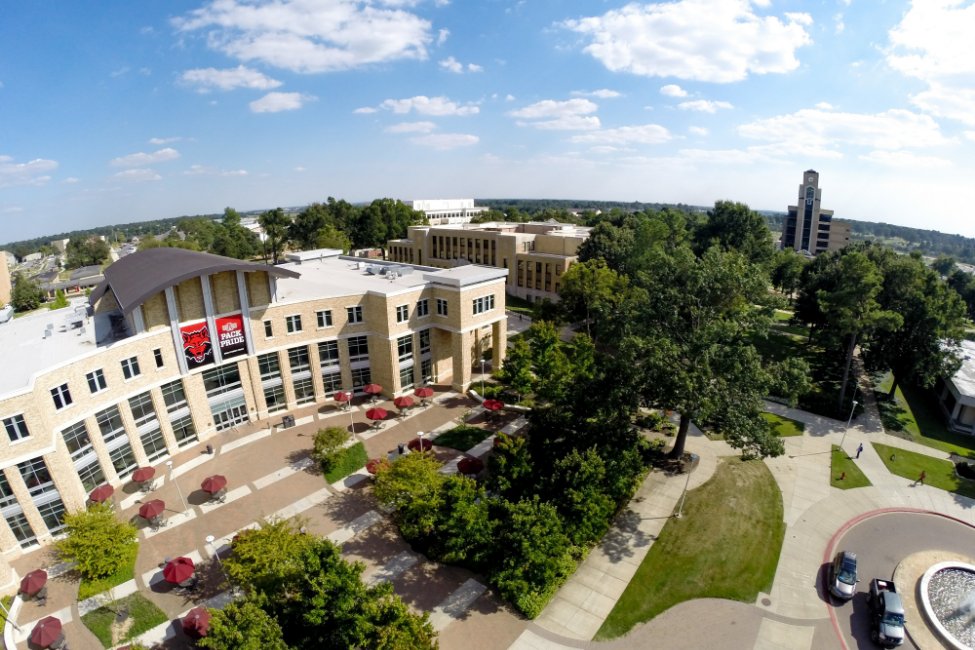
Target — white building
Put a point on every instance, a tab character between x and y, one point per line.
443	212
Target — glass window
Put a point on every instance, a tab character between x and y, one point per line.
130	367
77	440
53	515
16	428
184	431
268	330
122	460
423	308
142	409
274	397
441	307
269	365
404	346
406	377
157	355
360	377
62	396
154	444
358	348
221	380
36	475
402	313
354	314
298	359
324	318
426	369
304	391
173	395
110	423
91	475
424	341
328	353
332	382
96	380
21	529
7	497
293	323
483	304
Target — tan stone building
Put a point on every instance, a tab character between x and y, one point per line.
536	254
808	227
178	345
5	286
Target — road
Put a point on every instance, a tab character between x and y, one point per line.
880	543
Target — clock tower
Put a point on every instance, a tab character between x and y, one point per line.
808	228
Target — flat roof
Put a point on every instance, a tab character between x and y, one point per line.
964	379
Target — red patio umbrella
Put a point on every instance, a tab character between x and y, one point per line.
101	493
423	392
179	570
196	623
213	484
374	464
151	509
143	474
372	389
342	396
46	632
377	413
33	582
414	444
493	404
470	465
403	402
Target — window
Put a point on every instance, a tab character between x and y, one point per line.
96	380
360	377
424	341
483	304
304	391
91	475
406	377
184	431
324	318
224	379
441	307
62	396
269	366
130	367
110	424
157	355
298	359
332	382
354	314
268	331
36	475
154	444
293	323
77	440
426	369
404	345
402	313
173	395
328	353
422	308
274	397
358	348
21	529
122	460
16	428
53	515
143	411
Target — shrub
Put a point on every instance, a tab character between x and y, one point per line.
328	447
96	541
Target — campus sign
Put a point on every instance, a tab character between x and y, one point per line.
197	347
230	333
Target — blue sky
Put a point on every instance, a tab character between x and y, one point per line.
124	111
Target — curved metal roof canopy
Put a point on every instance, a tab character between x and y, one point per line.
136	277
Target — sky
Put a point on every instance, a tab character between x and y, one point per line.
112	111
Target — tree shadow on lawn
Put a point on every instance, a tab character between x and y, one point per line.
624	536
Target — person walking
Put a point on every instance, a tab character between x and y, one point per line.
920	479
859	450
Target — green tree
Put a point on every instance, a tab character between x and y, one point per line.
303	231
611	244
331	237
26	295
590	291
242	625
275	224
577	492
413	486
231	239
60	300
944	265
787	266
96	541
550	364
735	227
465	531
516	372
328	446
790	379
512	472
86	251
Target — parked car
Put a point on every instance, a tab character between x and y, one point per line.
886	614
843	575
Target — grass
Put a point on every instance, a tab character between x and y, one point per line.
349	460
518	305
913	414
461	437
124	573
843	465
784	427
709	553
143	613
938	473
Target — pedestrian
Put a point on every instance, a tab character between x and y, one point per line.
920	479
859	450
843	476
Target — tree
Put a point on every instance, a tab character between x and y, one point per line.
242	625
611	244
97	541
232	239
787	266
733	226
331	237
590	291
303	231
512	472
82	251
413	486
27	295
550	365
516	372
275	224
944	265
328	446
577	493
60	301
465	530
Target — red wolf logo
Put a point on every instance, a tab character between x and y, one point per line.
196	344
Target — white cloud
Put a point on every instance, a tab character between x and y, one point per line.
142	159
11	209
311	36
824	106
445	141
970	135
138	175
162	141
552	115
697	130
602	93
953	103
442	36
202	170
207	79
704	106
411	127
453	65
509	97
812	128
438	106
365	110
933	41
673	90
71	180
838	24
300	169
119	72
625	135
277	102
706	40
33	172
905	160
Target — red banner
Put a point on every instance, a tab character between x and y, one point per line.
230	334
196	345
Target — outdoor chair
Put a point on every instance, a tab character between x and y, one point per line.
148	486
41	596
157	522
219	496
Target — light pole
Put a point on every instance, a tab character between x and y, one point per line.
683	495
351	419
169	466
849	420
482	374
213	549
419	434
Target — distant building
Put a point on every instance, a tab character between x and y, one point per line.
4	282
443	212
61	245
536	254
33	257
808	227
957	394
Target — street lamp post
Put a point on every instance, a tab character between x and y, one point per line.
419	434
169	466
351	419
482	374
209	540
687	481
849	420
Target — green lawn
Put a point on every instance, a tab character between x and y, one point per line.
124	573
461	437
843	464
939	473
518	305
352	459
783	426
710	552
143	613
914	415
